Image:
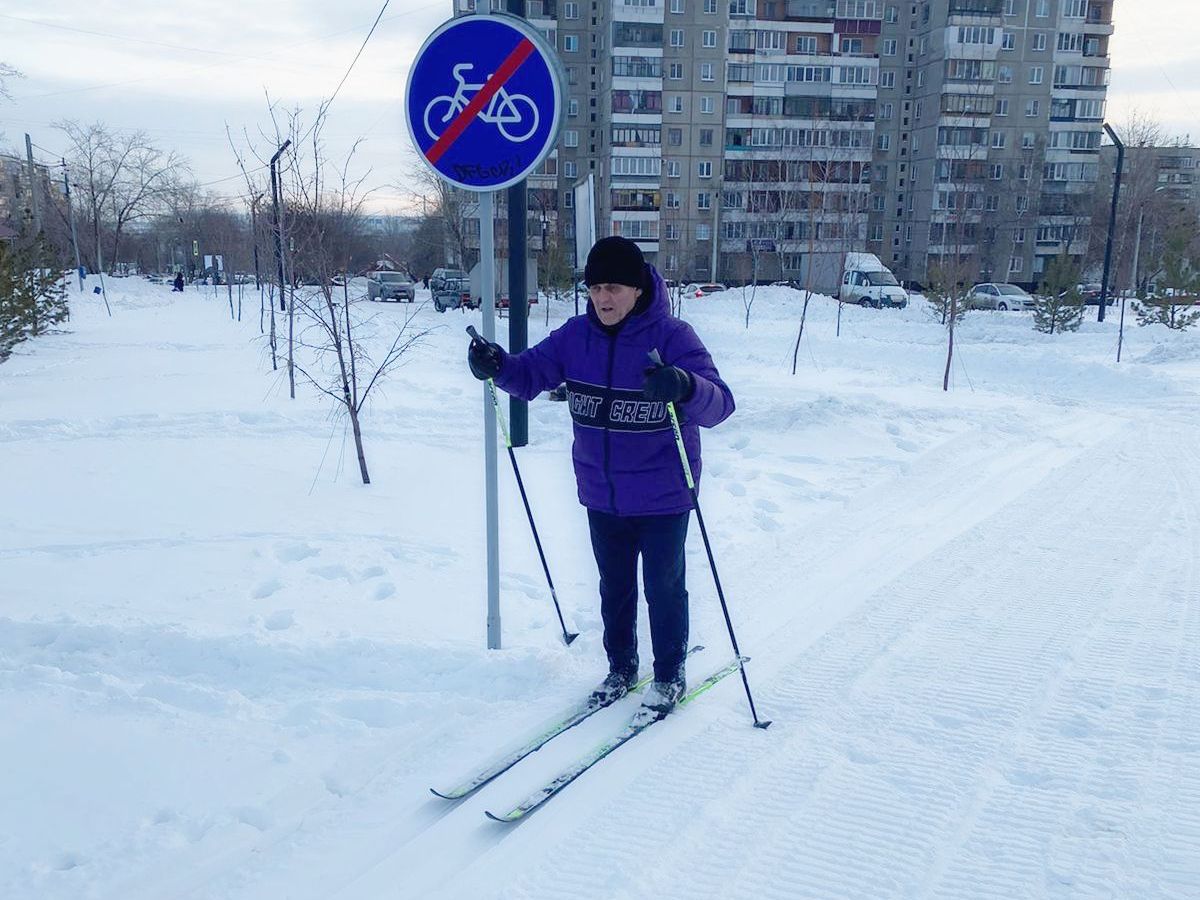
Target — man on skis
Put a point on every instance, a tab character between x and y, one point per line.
627	466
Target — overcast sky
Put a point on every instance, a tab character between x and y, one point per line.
182	72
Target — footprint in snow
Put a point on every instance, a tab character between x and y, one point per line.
295	552
372	572
383	591
280	620
265	589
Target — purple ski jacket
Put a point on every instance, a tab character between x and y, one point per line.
625	456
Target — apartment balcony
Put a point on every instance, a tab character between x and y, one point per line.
809	10
976	8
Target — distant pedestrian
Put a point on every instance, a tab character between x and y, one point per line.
177	285
425	281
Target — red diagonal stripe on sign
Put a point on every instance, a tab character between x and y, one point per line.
506	71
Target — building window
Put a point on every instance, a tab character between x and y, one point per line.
1036	74
892	15
672	232
1010	7
676	103
641	166
672	168
1027	140
571	10
672	200
1039	41
704	169
1009	41
677	6
706	71
570	43
710	6
885	142
572	107
675	71
1002	106
805	43
708	38
920	78
1015	264
703	200
889	47
675	136
568	199
1032	108
888	79
1005	75
1022	204
706	105
887	110
993	203
570	138
852	45
997	171
1043	9
706	137
570	169
703	232
676	37
998	140
1018	235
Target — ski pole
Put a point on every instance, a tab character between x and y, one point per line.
656	359
568	636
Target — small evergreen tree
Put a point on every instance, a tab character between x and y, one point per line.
1176	307
33	295
1059	307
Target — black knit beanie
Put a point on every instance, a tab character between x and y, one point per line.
615	260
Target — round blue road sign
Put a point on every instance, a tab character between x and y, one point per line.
484	101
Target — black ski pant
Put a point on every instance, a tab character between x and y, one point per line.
617	541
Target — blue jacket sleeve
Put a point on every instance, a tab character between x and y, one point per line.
711	402
540	368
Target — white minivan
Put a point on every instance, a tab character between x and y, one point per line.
868	282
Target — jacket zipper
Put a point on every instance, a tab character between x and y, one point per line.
612	493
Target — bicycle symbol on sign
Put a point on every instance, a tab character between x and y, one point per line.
504	109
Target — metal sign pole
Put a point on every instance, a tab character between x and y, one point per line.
487	299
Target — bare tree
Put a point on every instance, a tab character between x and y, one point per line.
7	72
327	221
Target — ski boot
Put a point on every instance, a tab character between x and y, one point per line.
615	686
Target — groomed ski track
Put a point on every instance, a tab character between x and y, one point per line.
991	673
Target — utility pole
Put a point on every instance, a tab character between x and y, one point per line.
34	201
518	286
71	219
1112	219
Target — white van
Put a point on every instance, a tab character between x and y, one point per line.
868	282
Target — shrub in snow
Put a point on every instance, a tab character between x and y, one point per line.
33	295
1176	306
1059	307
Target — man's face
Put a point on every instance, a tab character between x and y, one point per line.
613	302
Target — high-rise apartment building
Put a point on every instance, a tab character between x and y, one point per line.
739	139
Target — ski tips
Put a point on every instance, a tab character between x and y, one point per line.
503	820
450	796
569	637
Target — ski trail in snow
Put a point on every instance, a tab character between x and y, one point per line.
976	727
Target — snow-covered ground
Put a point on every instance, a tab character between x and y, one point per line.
230	670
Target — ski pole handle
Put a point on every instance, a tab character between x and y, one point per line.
475	335
657	360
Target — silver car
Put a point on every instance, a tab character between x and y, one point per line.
390	286
995	295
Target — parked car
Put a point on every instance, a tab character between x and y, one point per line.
696	289
1001	296
442	274
1091	294
390	286
454	293
868	282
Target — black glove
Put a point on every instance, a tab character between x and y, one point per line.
485	359
667	383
